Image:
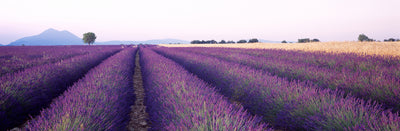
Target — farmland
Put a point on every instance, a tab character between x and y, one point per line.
370	48
282	87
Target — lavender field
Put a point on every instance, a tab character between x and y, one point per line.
196	88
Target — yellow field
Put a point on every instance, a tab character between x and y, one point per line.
378	48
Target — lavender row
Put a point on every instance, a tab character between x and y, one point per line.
25	93
177	100
14	59
335	61
349	63
286	105
99	101
339	62
370	84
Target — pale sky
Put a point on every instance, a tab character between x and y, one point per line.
333	20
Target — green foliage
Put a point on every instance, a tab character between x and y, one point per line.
231	42
307	40
195	42
203	42
284	41
391	40
315	40
254	40
304	40
89	38
363	37
242	41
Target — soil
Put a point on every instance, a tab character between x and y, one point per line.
139	117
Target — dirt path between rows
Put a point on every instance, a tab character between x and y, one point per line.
139	116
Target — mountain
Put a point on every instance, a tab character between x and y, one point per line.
55	37
270	41
115	42
165	41
50	37
155	41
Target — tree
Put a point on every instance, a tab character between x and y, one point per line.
254	40
363	37
391	40
284	41
89	38
231	42
242	41
203	42
222	42
315	40
305	40
195	42
212	42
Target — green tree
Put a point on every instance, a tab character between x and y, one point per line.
212	42
284	41
195	42
254	40
391	40
231	42
242	41
304	40
89	38
315	40
363	37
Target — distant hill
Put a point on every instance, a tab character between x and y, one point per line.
155	41
270	41
165	41
55	37
49	37
114	42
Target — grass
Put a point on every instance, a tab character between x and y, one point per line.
370	48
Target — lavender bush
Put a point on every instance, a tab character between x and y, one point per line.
25	93
99	101
177	100
18	58
286	105
374	78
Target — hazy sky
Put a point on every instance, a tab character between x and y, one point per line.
333	20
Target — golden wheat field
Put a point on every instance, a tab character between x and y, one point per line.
371	48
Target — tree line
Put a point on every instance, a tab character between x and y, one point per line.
307	40
363	37
90	38
254	40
